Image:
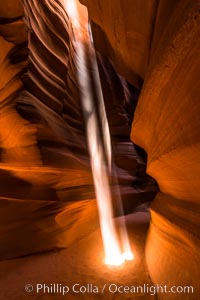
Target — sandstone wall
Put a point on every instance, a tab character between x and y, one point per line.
167	126
166	123
123	31
44	161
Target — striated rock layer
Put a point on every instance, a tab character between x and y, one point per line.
44	156
123	31
166	122
167	126
43	146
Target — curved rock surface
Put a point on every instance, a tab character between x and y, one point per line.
166	122
167	127
44	154
123	31
46	187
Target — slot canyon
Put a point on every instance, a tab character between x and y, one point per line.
138	62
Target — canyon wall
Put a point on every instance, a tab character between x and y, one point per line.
43	147
167	126
45	169
123	31
44	164
166	122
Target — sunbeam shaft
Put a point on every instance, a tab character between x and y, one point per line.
116	245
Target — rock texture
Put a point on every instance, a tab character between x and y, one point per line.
33	117
44	156
166	122
123	31
47	197
167	127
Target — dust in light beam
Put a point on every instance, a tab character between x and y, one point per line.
117	248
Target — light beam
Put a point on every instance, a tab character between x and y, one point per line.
117	248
